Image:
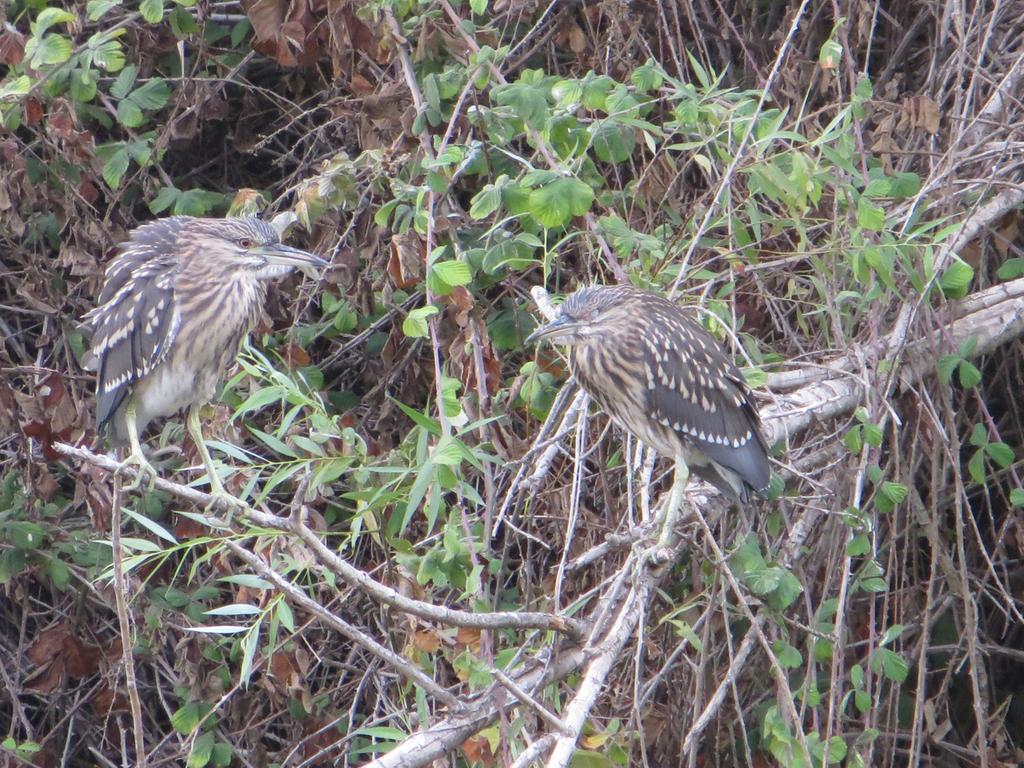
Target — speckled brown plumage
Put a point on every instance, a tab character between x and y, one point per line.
663	377
178	300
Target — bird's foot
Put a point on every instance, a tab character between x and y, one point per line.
221	500
144	471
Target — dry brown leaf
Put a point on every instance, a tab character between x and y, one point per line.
284	30
12	46
426	640
407	259
48	678
468	637
927	114
477	749
47	644
48	414
360	86
33	111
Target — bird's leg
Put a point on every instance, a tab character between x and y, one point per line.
136	457
217	489
675	499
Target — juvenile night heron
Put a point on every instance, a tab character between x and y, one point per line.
177	301
666	380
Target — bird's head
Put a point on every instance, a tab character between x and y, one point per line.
249	245
589	313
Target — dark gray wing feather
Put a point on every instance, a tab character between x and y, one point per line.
696	390
135	323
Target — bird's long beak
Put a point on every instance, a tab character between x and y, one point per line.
560	326
286	256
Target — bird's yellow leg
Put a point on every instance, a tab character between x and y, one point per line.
136	457
217	489
675	499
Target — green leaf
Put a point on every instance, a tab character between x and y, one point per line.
83	85
787	592
453	272
182	23
249	645
222	754
976	467
479	7
979	435
646	77
852	439
857	676
164	199
1010	269
151	95
567	92
613	143
528	101
894	492
878	188
968	374
788	656
50	49
151	525
763	581
830	54
97	9
891	634
115	164
59	573
873	584
485	202
1017	497
873	435
448	452
274	443
107	54
596	90
247	580
235	609
202	750
25	535
48	17
956	279
124	82
19	86
585	758
415	324
128	114
685	631
862	700
152	10
555	203
859	545
890	664
869	215
286	616
945	367
836	749
1000	453
186	719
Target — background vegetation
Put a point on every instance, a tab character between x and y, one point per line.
442	564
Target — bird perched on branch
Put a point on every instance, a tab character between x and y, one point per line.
177	302
665	379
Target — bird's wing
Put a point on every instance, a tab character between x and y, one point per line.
133	326
697	391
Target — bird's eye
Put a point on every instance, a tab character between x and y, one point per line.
245	242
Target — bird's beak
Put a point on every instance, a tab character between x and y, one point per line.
283	255
560	326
